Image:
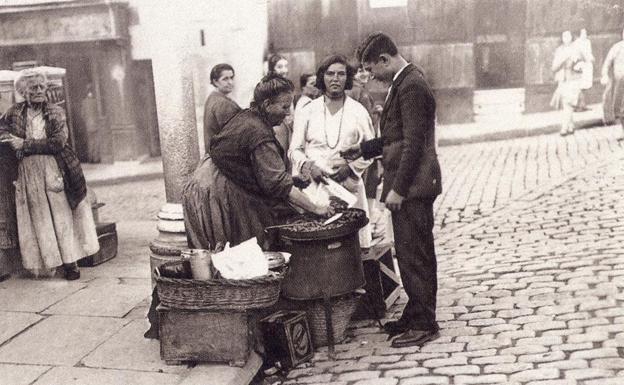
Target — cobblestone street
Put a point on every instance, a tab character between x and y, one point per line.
530	294
531	277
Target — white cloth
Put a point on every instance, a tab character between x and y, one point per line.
49	232
316	131
303	101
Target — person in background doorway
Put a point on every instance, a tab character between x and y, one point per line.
89	113
307	82
219	108
360	93
278	65
612	76
568	78
586	67
54	219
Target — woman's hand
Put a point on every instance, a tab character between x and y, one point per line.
604	80
311	170
324	210
15	142
342	173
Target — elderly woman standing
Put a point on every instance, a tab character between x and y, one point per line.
54	220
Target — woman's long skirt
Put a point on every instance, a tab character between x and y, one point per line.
50	233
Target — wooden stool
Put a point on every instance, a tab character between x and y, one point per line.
382	283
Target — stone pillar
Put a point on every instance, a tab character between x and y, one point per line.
173	82
116	86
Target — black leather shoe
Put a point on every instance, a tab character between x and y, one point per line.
72	272
394	328
415	338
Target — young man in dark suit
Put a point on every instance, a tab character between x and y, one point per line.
412	181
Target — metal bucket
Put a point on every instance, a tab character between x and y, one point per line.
324	267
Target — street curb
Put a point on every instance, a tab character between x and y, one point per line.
515	133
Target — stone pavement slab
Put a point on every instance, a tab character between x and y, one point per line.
117	268
106	297
34	296
21	374
89	376
11	323
204	374
60	340
127	349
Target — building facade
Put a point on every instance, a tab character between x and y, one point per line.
464	46
108	47
138	71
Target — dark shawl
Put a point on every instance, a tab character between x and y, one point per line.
14	122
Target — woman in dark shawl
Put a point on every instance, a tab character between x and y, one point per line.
244	186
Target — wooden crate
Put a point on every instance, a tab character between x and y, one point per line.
107	237
382	283
287	338
205	336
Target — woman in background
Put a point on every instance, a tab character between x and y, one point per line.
568	79
219	108
613	78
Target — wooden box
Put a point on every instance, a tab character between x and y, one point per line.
287	338
205	336
107	237
382	283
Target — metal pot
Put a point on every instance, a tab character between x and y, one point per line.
325	267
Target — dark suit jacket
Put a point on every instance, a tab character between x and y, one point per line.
407	142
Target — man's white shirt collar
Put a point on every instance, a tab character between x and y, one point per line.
399	72
395	78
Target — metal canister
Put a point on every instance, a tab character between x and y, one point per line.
200	262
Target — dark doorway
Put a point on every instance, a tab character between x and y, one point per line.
499	43
145	105
79	81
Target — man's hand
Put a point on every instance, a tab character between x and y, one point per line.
352	153
394	201
342	173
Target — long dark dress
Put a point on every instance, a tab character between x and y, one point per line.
217	111
220	209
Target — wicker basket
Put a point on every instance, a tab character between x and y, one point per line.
343	308
218	293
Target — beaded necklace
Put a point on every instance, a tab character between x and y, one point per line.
339	125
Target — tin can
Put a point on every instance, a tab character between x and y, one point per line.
200	262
